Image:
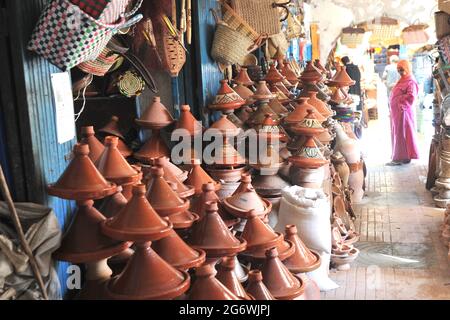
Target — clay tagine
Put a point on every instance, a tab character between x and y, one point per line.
309	126
226	275
311	74
183	190
245	199
320	106
113	166
278	108
226	99
184	219
279	280
188	122
155	147
243	78
113	204
208	194
95	146
289	74
177	253
84	242
301	111
81	180
338	96
258	117
262	92
224	127
320	67
256	287
138	221
207	287
245	93
341	79
112	128
260	237
156	116
198	177
212	235
148	277
273	75
303	259
309	156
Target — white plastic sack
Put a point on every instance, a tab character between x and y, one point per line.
309	210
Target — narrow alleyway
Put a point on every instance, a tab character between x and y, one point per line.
401	252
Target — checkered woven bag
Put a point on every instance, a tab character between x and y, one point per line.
107	11
67	36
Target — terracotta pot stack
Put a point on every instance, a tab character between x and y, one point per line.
154	118
112	129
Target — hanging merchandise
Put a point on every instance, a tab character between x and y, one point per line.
261	15
442	21
59	40
384	31
415	34
130	84
295	27
107	11
444	49
277	43
352	37
100	66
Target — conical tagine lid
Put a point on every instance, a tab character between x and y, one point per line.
208	194
213	236
198	177
303	259
112	128
281	283
273	75
81	180
113	204
84	241
148	277
301	111
311	74
256	287
309	156
138	221
225	127
341	79
155	147
177	253
156	116
207	287
226	275
188	122
262	92
113	166
183	190
226	99
245	93
320	106
289	74
309	126
243	78
95	146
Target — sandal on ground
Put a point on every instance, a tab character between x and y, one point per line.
406	161
393	163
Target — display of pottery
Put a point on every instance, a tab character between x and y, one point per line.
95	146
226	275
112	129
256	286
226	99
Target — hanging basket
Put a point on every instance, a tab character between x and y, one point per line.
237	23
352	37
384	30
442	21
100	66
130	84
172	54
415	34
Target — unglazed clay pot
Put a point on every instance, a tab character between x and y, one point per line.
207	287
289	74
213	236
138	221
95	146
188	122
81	180
155	147
198	177
177	253
226	175
307	178
226	99
320	106
112	128
148	277
243	78
261	237
303	259
301	111
113	204
208	194
84	242
273	75
281	283
341	79
262	92
256	287
356	182
113	166
226	275
312	290
311	74
156	116
183	190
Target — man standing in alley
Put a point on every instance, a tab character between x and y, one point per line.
354	73
391	75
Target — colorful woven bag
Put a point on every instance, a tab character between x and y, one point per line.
107	11
67	36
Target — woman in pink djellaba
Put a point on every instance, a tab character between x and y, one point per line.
403	122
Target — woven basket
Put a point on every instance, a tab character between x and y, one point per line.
130	84
229	46
442	20
172	54
261	15
101	65
352	37
234	21
415	34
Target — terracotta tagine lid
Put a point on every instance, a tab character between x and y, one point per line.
311	74
325	137
155	147
169	166
256	287
341	79
177	253
148	277
113	166
243	78
226	275
309	156
281	90
81	180
124	149
245	199
226	99
271	130
261	237
183	190
95	146
278	108
262	92
138	221
245	93
303	260
188	122
225	127
289	74
207	287
281	283
320	106
273	75
227	156
112	128
309	126
84	242
301	111
320	67
184	219
338	96
198	177
113	204
208	194
162	197
258	117
212	235
156	116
